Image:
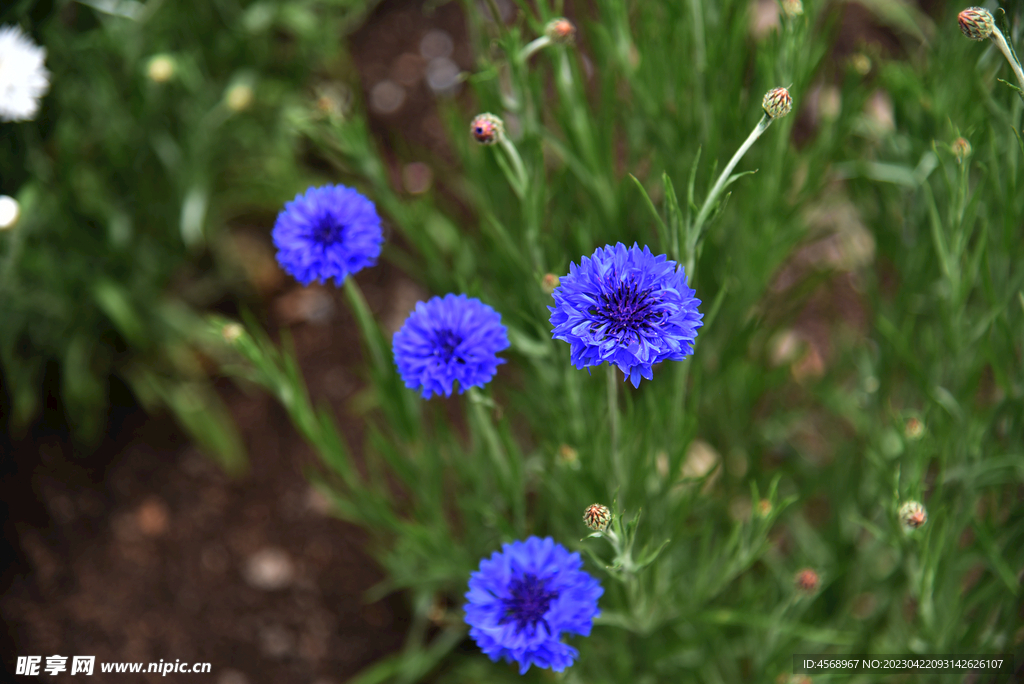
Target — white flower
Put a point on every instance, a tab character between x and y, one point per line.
23	78
9	211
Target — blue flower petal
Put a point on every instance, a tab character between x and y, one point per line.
626	307
448	340
525	597
328	232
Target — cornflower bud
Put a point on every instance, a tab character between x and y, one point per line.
977	23
238	97
231	332
807	580
487	129
912	515
793	8
549	282
777	103
560	31
161	68
597	517
962	149
913	429
569	457
9	212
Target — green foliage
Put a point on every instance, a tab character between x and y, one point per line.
164	122
916	393
862	291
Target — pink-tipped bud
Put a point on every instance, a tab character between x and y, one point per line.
777	103
913	429
487	129
549	282
976	23
560	31
597	517
962	149
913	515
569	457
807	580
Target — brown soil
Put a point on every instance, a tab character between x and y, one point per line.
145	550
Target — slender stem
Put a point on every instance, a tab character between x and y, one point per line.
366	322
613	419
497	453
1000	40
761	127
694	232
533	47
517	162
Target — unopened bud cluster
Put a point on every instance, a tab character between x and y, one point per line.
777	103
913	515
560	31
977	23
487	129
597	517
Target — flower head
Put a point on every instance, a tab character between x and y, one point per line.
560	31
525	597
448	339
777	103
487	129
10	210
597	517
977	23
627	307
913	515
329	232
23	78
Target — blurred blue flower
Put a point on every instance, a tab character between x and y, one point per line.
449	339
329	232
524	598
627	307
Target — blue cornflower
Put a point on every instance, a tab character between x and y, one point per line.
449	339
329	232
524	598
627	307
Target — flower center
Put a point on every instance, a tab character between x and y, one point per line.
627	309
528	601
447	342
329	231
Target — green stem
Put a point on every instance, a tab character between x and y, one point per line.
518	168
533	47
716	190
1000	40
613	419
371	333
